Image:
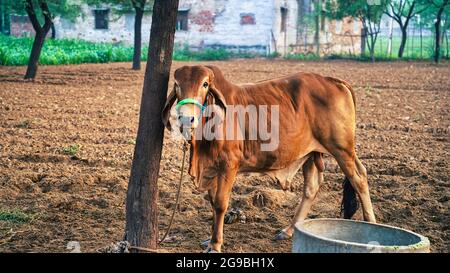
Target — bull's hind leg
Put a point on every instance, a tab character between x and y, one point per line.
313	177
355	171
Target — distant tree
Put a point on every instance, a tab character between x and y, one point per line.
402	11
438	10
41	14
121	7
139	6
369	12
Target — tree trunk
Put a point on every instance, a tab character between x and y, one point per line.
437	42
137	38
363	41
142	196
421	42
401	49
446	42
1	16
35	53
372	53
317	34
391	30
39	38
53	33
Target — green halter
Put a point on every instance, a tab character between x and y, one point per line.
191	101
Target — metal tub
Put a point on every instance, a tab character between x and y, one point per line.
349	236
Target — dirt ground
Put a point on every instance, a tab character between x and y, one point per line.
403	122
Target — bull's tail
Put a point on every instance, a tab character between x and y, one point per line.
349	203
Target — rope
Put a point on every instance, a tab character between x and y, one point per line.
178	197
125	246
143	249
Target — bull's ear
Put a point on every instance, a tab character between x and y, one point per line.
166	110
218	97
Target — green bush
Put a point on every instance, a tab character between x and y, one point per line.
303	57
16	51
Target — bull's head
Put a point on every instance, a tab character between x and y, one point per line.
194	89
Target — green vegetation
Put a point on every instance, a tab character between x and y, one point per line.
413	48
14	216
303	57
16	51
71	149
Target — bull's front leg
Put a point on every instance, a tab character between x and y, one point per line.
220	205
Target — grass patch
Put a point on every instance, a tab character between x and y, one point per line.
71	149
14	216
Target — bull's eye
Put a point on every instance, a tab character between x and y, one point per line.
205	84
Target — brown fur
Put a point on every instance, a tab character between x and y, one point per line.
317	116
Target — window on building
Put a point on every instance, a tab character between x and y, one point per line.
248	19
101	18
182	20
284	13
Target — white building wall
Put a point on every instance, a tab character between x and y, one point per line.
229	30
217	23
282	40
120	29
212	23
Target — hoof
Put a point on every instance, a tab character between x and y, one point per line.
282	235
205	244
210	250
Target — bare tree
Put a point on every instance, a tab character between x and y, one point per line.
402	11
441	6
371	29
41	32
138	6
142	197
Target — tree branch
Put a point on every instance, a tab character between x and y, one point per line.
29	8
397	16
47	15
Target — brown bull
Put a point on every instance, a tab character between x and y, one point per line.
316	117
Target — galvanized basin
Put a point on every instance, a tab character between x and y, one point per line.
349	236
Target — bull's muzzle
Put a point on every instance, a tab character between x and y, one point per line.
187	125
